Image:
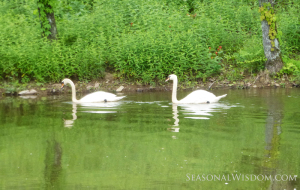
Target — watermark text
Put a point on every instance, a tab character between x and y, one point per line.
240	177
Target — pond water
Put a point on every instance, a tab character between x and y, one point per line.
249	140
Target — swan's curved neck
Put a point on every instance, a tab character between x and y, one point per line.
174	91
73	91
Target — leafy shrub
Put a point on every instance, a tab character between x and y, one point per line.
251	56
288	23
141	40
291	66
26	56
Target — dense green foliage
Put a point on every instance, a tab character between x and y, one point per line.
141	40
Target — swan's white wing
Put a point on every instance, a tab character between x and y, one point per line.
198	96
100	96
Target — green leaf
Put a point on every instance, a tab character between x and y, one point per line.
47	33
36	12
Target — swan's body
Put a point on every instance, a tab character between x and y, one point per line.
196	97
99	96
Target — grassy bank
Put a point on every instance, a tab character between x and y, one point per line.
143	41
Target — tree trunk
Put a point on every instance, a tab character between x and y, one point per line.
274	62
53	30
49	16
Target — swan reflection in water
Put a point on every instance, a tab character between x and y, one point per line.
69	123
176	122
195	111
92	108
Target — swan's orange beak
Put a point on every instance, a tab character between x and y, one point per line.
62	85
167	79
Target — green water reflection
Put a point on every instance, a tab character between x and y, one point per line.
145	142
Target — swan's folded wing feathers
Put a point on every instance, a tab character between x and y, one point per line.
116	98
99	96
201	96
198	96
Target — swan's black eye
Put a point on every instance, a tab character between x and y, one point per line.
62	82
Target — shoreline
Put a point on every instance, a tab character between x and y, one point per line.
110	84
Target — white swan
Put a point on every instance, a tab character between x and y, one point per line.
196	97
99	96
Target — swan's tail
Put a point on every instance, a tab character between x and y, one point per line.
116	98
219	97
